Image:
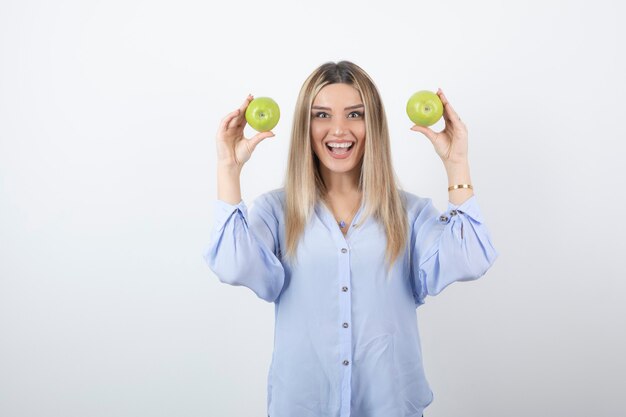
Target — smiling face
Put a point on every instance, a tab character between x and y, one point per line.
338	118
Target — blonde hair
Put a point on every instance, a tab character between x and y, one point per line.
377	183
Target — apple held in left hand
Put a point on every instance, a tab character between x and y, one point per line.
424	108
451	143
262	114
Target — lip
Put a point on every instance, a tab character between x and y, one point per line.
345	155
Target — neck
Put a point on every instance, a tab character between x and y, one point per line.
341	185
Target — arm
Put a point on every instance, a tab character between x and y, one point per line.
242	246
453	246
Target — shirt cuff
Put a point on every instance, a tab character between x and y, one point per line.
223	210
468	207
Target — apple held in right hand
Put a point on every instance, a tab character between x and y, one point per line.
262	114
424	108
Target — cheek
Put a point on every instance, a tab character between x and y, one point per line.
317	132
316	139
359	131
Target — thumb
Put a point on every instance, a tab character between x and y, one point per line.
254	140
428	132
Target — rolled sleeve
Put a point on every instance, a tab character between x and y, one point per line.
242	246
451	246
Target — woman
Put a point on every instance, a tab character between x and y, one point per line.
343	252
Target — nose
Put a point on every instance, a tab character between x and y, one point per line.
339	128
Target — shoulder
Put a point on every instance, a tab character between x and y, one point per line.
271	201
414	203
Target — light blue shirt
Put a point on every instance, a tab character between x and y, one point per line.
346	340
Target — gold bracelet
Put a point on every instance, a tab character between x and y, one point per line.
454	187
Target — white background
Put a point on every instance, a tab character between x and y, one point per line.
108	115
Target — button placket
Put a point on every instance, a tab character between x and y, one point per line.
345	310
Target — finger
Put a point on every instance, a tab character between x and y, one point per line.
428	132
449	113
241	120
254	140
446	113
229	117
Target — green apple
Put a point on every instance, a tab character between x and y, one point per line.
424	108
262	114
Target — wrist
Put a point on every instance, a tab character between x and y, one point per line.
229	168
458	173
455	165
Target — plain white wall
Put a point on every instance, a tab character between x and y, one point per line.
108	115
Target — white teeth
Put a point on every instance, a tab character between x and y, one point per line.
340	145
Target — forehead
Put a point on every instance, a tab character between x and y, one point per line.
337	94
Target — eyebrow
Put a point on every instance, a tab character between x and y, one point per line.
356	106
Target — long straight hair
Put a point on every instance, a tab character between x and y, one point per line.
303	182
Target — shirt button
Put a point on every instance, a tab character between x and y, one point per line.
344	289
346	363
453	213
443	218
345	325
344	250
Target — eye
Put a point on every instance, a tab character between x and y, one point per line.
358	114
320	113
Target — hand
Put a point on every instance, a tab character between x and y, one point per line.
451	143
233	148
